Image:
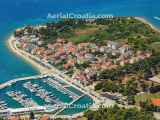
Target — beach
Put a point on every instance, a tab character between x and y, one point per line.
21	17
36	62
52	71
148	23
11	45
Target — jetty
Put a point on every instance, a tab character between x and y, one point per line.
59	87
55	76
22	99
13	81
69	105
42	93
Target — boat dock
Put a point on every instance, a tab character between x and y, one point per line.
13	81
3	105
68	105
58	86
22	99
48	97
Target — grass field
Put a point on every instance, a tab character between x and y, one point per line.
88	34
80	38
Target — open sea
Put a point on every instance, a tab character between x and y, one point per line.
17	13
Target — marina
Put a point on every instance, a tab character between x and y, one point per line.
22	99
21	79
42	93
62	89
38	90
50	93
3	105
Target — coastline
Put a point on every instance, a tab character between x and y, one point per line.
52	71
12	46
36	65
43	69
145	21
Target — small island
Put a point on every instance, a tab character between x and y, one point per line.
117	59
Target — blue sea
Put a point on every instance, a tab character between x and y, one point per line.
17	13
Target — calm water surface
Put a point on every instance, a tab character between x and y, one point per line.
17	13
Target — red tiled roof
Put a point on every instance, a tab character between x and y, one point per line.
13	118
66	66
156	102
61	50
72	49
71	62
45	117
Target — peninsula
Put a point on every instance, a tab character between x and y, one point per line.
112	60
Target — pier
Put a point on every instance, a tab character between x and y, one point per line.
68	105
42	93
55	72
51	72
59	87
13	81
21	111
22	99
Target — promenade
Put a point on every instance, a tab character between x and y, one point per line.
47	70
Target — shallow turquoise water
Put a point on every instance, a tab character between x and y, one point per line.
11	103
75	90
82	104
17	13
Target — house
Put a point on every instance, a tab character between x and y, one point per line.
59	40
50	46
34	51
113	45
61	51
72	49
39	43
80	77
69	64
13	118
156	102
143	55
89	56
30	47
106	65
45	117
125	49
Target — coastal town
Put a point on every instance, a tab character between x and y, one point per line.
83	61
113	61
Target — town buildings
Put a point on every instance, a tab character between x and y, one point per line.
82	61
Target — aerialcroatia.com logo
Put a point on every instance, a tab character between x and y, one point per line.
72	15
